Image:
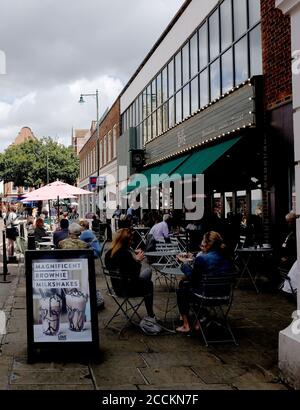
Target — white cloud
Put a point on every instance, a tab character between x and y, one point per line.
56	50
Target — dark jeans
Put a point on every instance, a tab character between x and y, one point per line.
143	287
186	296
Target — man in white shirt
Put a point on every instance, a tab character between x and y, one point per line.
160	231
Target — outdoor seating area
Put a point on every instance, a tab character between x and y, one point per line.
236	336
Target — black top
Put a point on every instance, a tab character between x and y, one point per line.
128	266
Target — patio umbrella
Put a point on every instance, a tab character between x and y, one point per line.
55	190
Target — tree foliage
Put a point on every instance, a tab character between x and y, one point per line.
26	164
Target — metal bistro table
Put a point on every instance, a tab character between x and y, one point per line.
172	275
168	268
169	255
246	255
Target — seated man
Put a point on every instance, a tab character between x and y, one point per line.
61	233
73	241
160	231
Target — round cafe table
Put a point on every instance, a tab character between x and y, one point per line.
246	255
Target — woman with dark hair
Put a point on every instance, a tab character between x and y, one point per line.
213	260
40	230
129	263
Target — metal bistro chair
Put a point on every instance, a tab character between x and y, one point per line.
126	305
216	299
240	244
102	253
165	260
285	278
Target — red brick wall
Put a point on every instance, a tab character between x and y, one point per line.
276	45
112	118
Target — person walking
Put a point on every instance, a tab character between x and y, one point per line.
11	222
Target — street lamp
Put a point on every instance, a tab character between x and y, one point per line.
81	101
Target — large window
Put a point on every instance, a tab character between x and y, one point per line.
240	17
185	63
255	52
215	80
178	81
214	37
227	71
224	51
226	24
194	55
203	50
241	61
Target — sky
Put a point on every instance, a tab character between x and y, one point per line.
51	51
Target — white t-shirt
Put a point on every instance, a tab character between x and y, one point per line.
11	219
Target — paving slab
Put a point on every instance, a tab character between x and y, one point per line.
111	375
123	360
171	375
51	377
219	374
187	387
20	363
163	360
50	387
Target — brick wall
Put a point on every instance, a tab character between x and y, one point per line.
276	45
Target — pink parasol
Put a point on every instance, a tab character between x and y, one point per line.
54	190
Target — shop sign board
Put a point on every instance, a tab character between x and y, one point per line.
92	184
61	300
215	122
101	181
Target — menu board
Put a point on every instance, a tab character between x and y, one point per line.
61	298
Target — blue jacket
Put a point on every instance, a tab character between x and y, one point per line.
212	263
89	237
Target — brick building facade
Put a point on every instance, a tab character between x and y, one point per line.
278	123
98	158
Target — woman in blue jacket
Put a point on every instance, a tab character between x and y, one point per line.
89	237
211	261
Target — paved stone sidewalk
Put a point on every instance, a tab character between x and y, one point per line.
137	361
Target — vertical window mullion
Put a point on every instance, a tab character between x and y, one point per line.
233	48
248	39
220	48
208	56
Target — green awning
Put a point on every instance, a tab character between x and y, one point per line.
200	161
165	168
191	164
